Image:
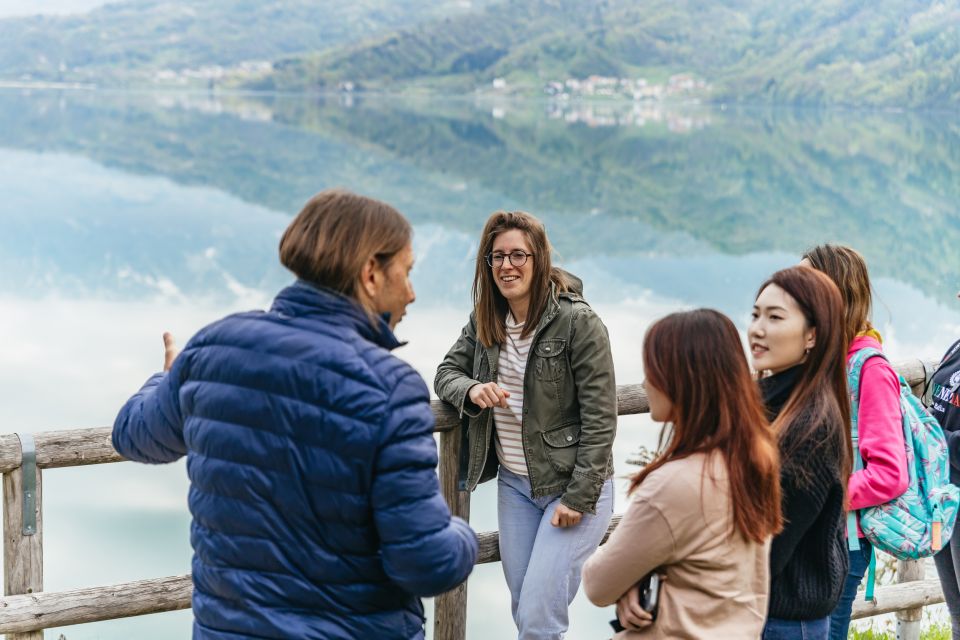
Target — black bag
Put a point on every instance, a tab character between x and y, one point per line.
649	598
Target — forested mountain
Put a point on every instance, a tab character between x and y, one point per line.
862	52
126	39
901	53
535	41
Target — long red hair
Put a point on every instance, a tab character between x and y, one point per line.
696	359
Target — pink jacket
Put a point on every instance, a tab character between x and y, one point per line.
884	476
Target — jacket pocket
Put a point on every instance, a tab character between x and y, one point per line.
550	363
560	446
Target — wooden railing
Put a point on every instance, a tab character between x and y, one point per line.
26	609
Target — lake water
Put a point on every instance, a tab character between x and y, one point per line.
126	214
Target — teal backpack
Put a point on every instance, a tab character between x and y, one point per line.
919	522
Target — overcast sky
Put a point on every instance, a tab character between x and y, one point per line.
32	7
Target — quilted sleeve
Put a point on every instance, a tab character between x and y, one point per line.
425	550
149	427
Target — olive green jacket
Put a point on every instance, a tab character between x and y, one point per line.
569	403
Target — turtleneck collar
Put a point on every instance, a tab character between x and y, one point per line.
776	390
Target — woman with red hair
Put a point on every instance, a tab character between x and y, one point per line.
702	514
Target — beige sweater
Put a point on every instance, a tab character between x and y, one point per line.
679	522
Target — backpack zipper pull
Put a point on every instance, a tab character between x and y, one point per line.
937	532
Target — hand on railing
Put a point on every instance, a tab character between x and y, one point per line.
170	352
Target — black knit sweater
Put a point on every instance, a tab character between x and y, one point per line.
808	559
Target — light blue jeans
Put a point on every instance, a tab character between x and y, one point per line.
541	562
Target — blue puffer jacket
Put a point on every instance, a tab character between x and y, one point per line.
316	507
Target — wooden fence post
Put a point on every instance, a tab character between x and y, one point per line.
450	608
22	549
909	620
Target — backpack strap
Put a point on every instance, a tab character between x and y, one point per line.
854	368
871	576
856	365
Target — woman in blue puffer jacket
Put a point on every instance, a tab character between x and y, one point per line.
316	507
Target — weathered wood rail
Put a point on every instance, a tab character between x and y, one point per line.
25	609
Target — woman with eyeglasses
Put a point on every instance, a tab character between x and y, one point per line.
533	374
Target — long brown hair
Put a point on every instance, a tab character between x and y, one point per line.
848	270
696	359
336	233
820	396
489	304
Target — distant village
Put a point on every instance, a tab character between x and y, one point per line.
213	73
602	101
681	86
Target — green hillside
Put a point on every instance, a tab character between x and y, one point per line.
901	53
528	40
122	40
891	53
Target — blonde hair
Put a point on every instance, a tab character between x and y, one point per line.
848	270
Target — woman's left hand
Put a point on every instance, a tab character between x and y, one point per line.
631	615
564	516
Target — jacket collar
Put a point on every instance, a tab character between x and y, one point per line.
309	300
553	308
553	301
551	312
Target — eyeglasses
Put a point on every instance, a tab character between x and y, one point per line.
517	258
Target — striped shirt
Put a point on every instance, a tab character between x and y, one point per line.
509	421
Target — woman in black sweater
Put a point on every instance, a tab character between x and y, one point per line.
797	341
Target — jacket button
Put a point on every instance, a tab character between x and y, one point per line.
569	438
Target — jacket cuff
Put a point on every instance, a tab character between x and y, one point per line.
583	492
466	406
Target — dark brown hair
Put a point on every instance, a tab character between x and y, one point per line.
489	304
848	270
820	396
336	233
696	359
